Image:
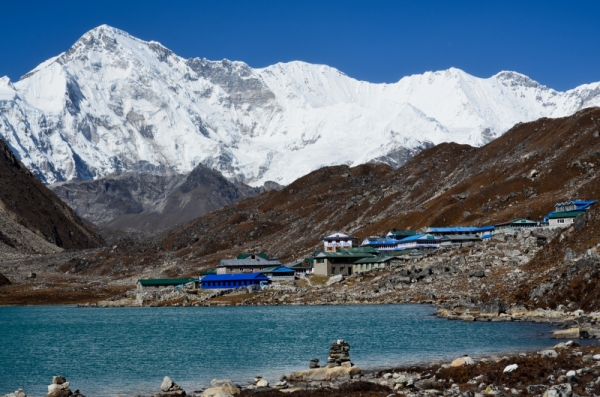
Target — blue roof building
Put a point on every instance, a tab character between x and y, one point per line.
566	210
420	241
380	244
229	281
279	273
444	231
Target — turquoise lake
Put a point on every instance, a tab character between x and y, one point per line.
127	351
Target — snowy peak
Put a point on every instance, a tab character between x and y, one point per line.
113	103
7	89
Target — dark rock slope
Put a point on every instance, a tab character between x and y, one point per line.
32	218
149	202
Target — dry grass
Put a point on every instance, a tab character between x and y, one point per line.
55	295
318	280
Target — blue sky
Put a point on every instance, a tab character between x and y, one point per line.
555	43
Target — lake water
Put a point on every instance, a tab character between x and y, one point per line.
126	351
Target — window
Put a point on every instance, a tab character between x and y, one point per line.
320	260
561	221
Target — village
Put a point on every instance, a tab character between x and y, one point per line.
343	256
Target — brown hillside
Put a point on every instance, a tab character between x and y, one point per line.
521	174
32	216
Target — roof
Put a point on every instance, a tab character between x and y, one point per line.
257	261
519	222
459	229
399	252
278	269
341	254
580	204
406	233
418	237
464	237
261	255
166	281
564	214
305	264
359	250
377	259
235	277
339	236
207	272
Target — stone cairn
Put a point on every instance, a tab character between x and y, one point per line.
339	354
169	388
60	388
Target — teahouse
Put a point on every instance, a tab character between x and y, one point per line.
229	281
246	263
338	241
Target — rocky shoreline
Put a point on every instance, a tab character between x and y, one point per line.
565	370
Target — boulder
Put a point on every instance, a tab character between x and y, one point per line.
57	387
58	380
536	389
16	393
226	385
335	279
510	368
280	385
572	333
168	388
215	392
562	390
540	290
459	362
167	383
262	383
323	374
492	308
548	353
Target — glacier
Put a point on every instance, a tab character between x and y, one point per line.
113	103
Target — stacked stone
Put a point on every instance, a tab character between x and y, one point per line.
60	388
168	388
339	354
314	363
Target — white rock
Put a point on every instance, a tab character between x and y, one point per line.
167	383
262	383
510	368
596	357
571	374
548	353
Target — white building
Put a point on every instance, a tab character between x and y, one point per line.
336	241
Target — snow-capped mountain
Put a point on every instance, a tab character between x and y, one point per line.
113	103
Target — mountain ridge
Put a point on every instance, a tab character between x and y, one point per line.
33	220
113	103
